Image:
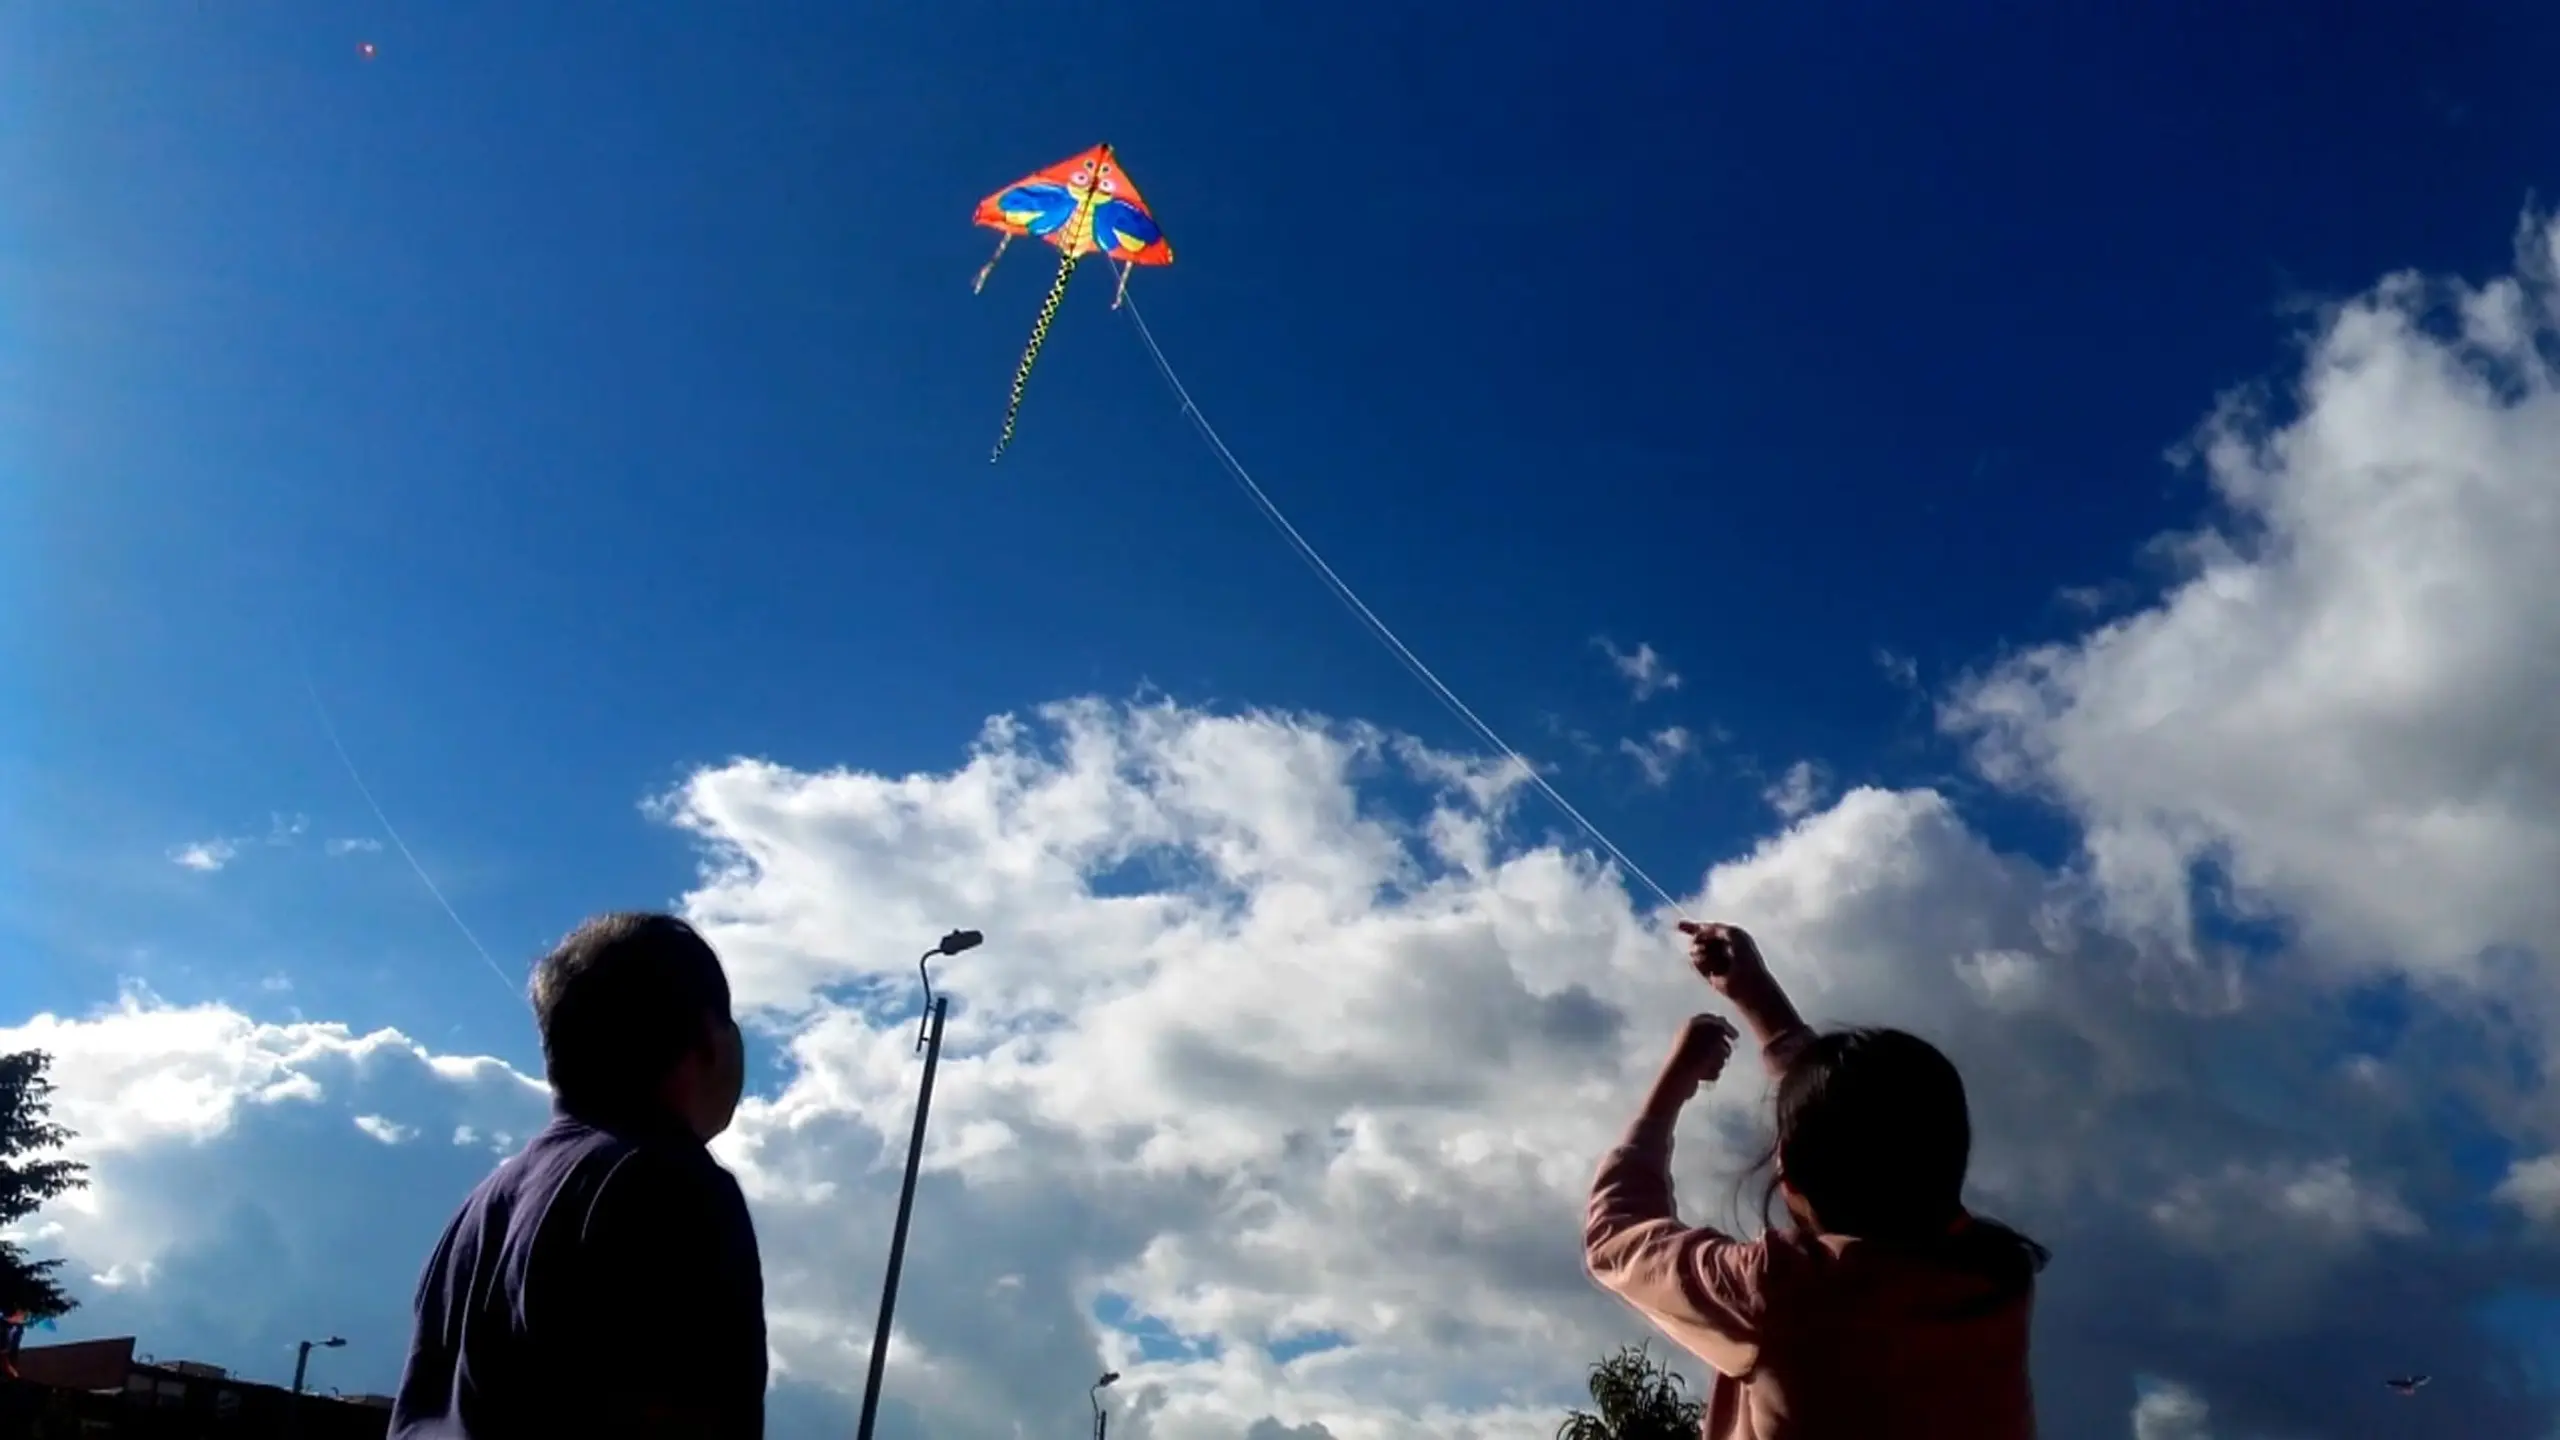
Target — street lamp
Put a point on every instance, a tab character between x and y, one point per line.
302	1367
929	1040
302	1357
1101	1417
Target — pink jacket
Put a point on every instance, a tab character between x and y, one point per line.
1811	1337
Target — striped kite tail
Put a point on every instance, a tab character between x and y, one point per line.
1031	352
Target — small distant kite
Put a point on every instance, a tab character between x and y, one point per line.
1085	205
13	1333
365	50
2406	1384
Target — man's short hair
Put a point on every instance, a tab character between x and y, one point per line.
619	1002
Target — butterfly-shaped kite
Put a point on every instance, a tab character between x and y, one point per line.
1084	205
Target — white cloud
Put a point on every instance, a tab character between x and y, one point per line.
204	856
2323	1201
1900	669
2533	1186
1797	792
1227	1063
1283	1030
2343	706
1280	1031
355	845
192	1117
1660	754
142	1073
388	1131
1647	674
2169	1411
209	856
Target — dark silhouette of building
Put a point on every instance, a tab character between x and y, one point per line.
98	1390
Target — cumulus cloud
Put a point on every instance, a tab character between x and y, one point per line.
209	856
235	1205
1658	756
1900	669
2321	1200
2170	1411
1647	674
204	856
1797	792
1354	1095
2342	707
1278	1081
385	1129
2533	1186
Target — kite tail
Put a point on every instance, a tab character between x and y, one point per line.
1123	292
1031	352
990	267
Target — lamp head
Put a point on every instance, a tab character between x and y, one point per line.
959	940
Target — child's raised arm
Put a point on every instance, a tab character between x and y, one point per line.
1701	1286
1729	960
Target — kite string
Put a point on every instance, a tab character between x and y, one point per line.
1351	600
329	727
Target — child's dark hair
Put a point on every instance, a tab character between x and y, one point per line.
1874	1135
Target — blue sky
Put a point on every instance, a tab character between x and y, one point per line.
544	363
579	404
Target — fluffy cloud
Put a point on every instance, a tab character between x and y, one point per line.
235	1205
1647	674
2169	1411
2343	707
204	856
385	1129
2533	1186
1277	1083
1658	756
1797	792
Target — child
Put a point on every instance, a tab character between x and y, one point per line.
1883	1310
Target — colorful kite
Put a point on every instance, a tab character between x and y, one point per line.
13	1334
1085	206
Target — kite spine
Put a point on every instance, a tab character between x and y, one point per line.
1031	352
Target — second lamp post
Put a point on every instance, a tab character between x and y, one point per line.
930	1042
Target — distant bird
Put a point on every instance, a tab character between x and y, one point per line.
2407	1384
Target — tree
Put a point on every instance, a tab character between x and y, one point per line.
30	1175
1637	1399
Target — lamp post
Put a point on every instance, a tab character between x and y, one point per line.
929	1040
301	1370
1101	1417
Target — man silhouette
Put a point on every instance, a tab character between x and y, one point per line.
547	1306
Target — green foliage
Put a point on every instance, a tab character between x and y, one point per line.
31	1174
1636	1399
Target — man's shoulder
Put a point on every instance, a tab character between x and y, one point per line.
652	1180
554	1158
